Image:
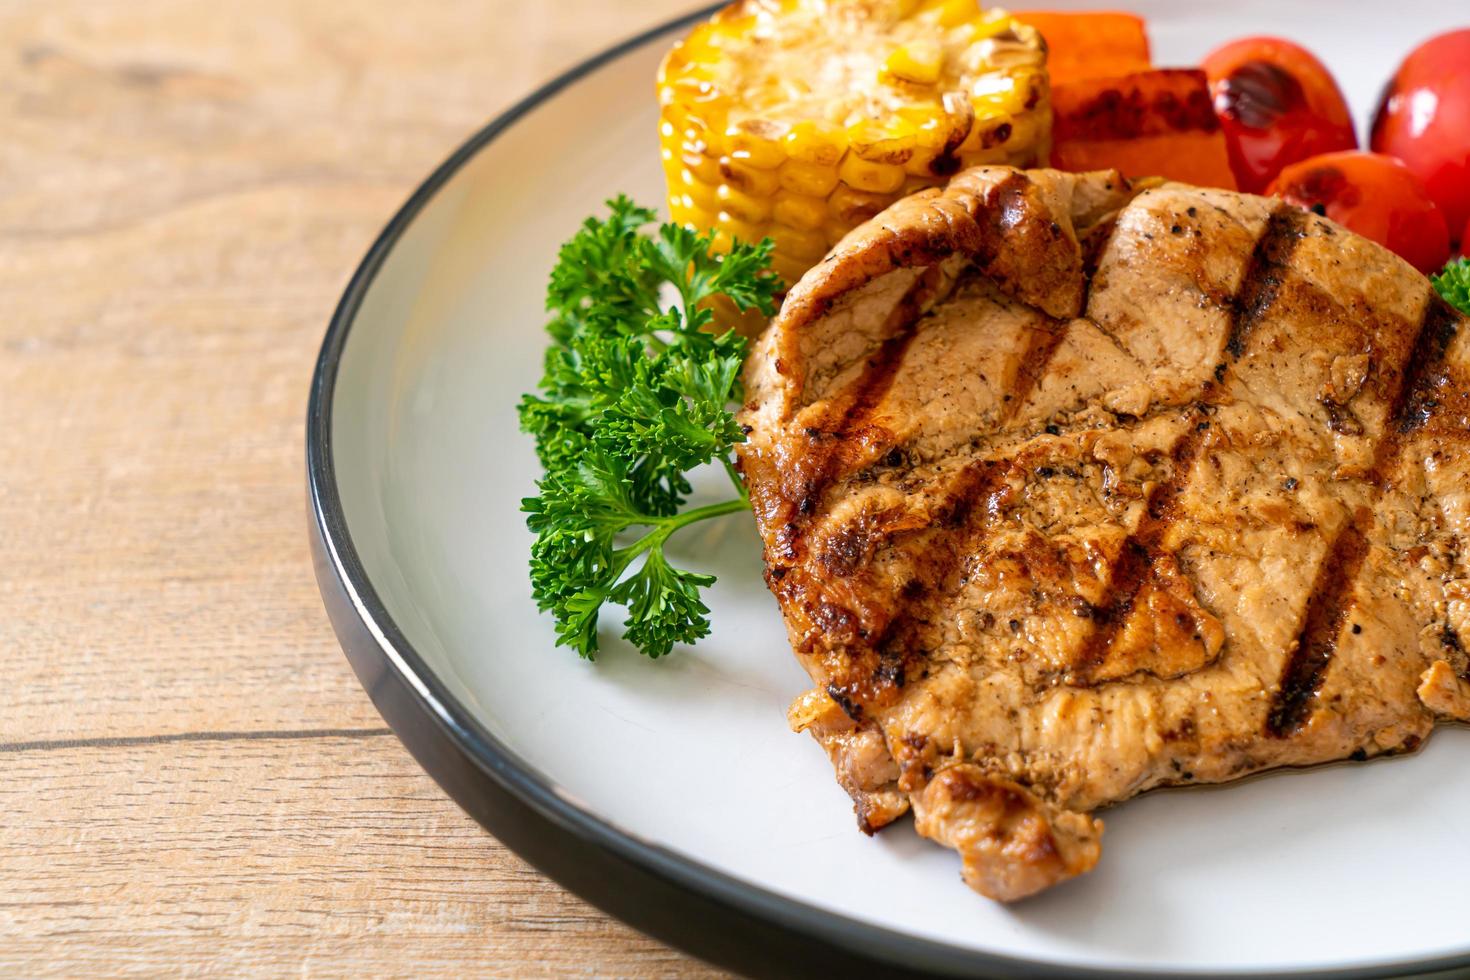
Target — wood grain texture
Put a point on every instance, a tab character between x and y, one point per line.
193	782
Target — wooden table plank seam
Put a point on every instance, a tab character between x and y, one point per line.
129	741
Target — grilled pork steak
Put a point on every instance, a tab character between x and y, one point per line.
1069	491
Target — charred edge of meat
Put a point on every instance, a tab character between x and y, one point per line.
1327	612
980	241
1264	275
1449	638
849	707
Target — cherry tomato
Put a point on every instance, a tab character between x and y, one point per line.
1277	104
1374	195
1424	120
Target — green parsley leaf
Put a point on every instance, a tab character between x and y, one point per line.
1453	283
635	394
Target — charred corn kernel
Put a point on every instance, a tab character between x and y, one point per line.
810	179
880	178
801	211
747	179
758	143
799	243
891	141
802	118
919	62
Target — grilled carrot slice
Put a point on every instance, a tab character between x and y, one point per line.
1153	123
1090	45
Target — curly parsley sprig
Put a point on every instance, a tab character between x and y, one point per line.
1453	283
636	393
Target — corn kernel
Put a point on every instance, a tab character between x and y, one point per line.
912	184
811	179
745	207
967	35
721	240
854	206
835	229
918	61
819	145
996	93
878	178
891	141
743	177
800	211
788	268
703	194
800	244
704	169
757	143
682	213
739	229
951	13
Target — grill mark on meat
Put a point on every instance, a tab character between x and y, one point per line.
1142	550
1427	394
1261	283
1328	604
1327	611
874	673
856	404
877	380
1041	347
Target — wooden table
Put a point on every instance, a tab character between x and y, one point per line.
191	779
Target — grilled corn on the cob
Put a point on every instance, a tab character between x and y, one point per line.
800	119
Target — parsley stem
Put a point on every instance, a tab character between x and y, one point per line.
735	479
706	512
666	526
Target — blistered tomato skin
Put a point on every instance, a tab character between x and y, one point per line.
1277	105
1375	196
1424	120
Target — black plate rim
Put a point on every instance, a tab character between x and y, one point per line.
725	920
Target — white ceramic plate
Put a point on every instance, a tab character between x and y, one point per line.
686	766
